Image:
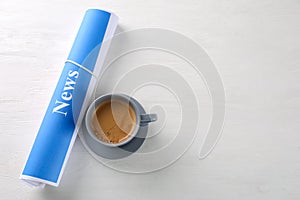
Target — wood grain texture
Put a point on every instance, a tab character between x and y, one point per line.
256	47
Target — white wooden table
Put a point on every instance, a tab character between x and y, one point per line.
255	46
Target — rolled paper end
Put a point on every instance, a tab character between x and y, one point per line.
56	136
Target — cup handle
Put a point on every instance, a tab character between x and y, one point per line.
147	118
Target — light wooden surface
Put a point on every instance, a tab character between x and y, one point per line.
255	45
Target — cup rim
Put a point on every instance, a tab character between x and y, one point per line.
101	99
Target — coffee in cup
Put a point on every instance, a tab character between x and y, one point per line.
113	121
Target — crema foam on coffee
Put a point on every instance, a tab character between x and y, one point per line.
113	121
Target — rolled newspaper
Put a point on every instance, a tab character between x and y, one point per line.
58	131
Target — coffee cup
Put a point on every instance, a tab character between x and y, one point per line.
114	120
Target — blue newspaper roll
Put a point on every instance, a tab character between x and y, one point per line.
58	131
